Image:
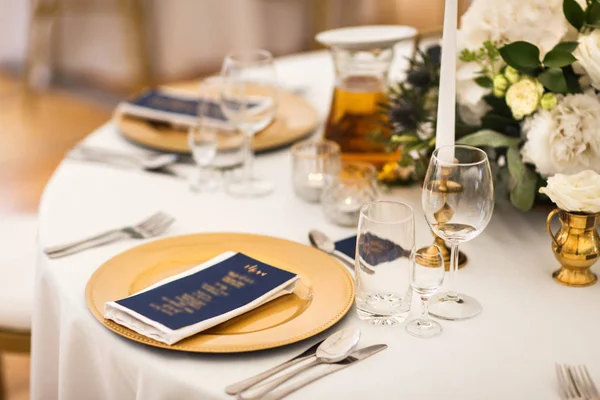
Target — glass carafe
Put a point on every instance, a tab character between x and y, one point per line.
362	57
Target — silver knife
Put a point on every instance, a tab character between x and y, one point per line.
246	383
356	356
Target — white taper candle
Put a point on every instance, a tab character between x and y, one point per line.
447	96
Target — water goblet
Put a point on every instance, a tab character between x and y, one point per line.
458	201
249	99
426	276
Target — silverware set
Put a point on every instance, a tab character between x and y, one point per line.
153	226
336	352
575	382
156	163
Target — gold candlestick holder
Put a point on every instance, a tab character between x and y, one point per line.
446	187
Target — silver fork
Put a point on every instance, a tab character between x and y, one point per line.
151	227
567	383
583	382
151	163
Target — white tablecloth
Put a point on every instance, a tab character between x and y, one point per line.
529	322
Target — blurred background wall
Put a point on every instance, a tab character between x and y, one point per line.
113	43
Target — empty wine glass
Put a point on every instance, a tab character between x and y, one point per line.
426	276
203	142
249	100
458	200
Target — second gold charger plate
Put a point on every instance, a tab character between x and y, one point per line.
295	120
323	296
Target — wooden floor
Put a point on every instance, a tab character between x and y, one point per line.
35	131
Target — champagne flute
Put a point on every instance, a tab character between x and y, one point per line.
249	97
426	276
458	201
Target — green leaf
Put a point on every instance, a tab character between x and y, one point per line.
595	26
574	13
559	58
522	56
498	105
554	80
593	13
500	123
484	82
489	138
405	139
523	194
572	80
566	46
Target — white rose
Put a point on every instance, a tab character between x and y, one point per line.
576	193
541	22
588	55
565	140
524	97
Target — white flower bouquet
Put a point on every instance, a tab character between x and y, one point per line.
527	92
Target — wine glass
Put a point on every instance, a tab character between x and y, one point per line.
426	276
249	98
203	143
458	201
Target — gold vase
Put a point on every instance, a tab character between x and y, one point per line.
576	246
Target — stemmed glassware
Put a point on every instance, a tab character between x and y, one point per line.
458	201
249	99
426	276
203	142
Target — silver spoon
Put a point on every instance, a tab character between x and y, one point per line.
334	349
322	242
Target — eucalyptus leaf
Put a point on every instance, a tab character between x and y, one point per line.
554	80
488	138
574	13
566	46
524	191
522	56
514	162
559	58
484	82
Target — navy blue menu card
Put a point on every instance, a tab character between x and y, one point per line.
178	108
373	249
207	295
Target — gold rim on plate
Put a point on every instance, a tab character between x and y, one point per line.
325	292
296	119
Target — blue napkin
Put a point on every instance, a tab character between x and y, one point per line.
208	295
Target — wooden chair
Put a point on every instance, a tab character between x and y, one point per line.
17	261
46	14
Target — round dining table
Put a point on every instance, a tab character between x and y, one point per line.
528	324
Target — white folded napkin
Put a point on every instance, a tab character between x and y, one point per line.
158	331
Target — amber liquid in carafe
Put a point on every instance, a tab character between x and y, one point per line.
354	117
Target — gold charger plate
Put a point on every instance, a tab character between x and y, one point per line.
295	120
323	296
